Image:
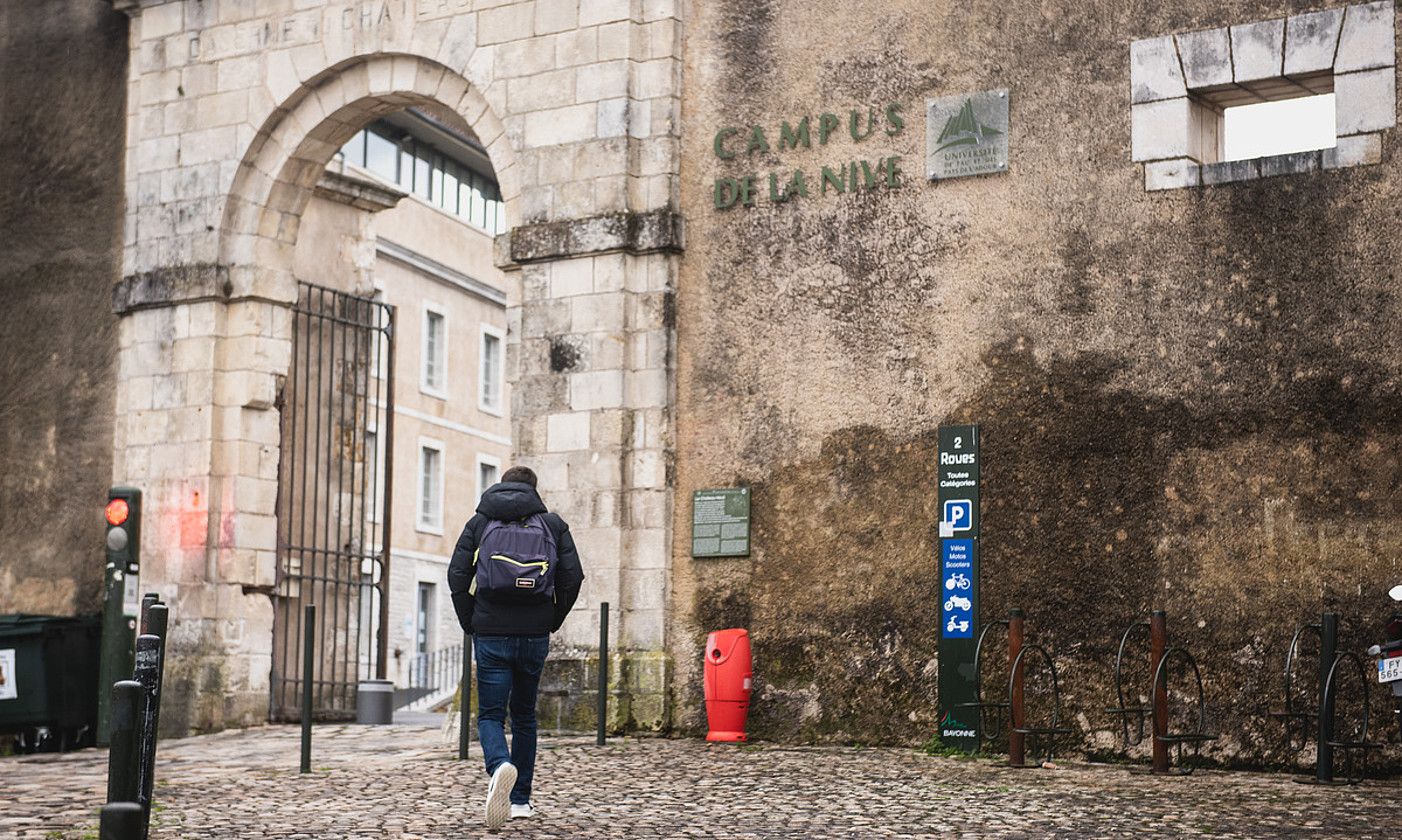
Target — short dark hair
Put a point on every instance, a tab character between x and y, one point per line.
520	475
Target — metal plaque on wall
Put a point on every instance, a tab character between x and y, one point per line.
966	135
720	522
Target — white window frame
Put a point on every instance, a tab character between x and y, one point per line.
431	309
499	334
420	524
484	460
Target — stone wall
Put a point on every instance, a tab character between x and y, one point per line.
60	225
1189	400
233	111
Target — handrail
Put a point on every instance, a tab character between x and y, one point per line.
433	671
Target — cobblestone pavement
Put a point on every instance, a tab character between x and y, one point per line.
400	782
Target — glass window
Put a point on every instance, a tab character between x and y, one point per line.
435	350
491	372
449	193
429	173
380	156
354	150
425	618
479	203
486	476
464	195
430	488
436	181
405	176
421	172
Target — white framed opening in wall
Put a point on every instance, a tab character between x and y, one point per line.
488	472
1183	86
492	369
429	504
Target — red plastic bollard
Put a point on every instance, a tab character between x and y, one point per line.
728	677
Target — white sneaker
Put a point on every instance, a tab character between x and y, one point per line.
522	812
499	794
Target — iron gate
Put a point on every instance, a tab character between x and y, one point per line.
334	492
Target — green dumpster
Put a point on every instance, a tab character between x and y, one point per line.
48	680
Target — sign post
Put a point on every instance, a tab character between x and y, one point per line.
959	585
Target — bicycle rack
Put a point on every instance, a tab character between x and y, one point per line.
1178	740
1015	704
1349	747
1324	714
1293	718
1014	707
986	731
1160	655
1122	711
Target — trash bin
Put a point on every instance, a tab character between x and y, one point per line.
374	701
727	681
48	678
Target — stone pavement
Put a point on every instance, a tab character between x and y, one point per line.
401	782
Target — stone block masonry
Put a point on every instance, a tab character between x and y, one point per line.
233	111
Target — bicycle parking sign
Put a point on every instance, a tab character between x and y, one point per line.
958	595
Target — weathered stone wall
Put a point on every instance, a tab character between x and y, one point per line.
234	109
60	225
1189	400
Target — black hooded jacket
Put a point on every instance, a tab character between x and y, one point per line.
508	502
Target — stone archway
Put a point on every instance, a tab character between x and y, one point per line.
214	209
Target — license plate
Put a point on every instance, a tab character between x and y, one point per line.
1390	670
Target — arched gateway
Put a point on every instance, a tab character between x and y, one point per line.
234	110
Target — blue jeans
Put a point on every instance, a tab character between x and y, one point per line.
508	675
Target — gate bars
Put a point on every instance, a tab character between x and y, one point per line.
334	500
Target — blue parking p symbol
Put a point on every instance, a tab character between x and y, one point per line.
959	514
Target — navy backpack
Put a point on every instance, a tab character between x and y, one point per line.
515	562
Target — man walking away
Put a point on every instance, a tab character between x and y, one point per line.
514	576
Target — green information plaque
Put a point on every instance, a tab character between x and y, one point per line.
720	523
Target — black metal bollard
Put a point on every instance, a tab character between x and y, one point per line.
464	706
1328	650
157	617
600	737
123	782
120	821
147	601
308	651
148	674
